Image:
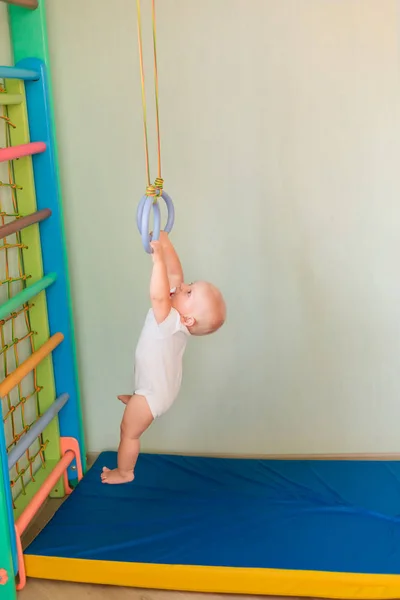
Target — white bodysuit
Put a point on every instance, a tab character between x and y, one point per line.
158	361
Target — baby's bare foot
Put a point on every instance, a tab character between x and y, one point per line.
116	476
124	398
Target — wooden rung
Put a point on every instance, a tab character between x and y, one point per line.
18	224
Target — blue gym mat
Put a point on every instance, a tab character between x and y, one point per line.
340	516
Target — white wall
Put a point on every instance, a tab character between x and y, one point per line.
281	140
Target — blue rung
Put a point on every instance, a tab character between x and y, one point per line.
37	428
16	73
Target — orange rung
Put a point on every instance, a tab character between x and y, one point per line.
29	364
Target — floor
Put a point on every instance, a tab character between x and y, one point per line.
51	590
37	589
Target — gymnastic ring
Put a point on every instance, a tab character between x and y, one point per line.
143	218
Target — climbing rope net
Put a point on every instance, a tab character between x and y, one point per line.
20	408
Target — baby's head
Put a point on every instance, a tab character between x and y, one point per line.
201	306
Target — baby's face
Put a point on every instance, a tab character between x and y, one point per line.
188	298
200	305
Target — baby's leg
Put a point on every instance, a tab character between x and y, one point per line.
125	398
137	418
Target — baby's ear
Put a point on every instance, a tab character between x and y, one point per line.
188	321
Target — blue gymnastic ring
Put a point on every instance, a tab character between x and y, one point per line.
143	218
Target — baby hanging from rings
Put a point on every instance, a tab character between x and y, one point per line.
179	311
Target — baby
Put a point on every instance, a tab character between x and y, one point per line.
178	311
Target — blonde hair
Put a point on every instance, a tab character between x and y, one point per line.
212	314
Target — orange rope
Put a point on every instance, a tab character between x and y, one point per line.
7	120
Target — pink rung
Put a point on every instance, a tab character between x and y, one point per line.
71	444
33	507
21	564
14	152
41	495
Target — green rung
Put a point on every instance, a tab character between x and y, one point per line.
27	293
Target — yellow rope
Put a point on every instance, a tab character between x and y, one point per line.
156	188
146	143
153	17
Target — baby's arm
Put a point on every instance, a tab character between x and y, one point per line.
159	285
172	262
